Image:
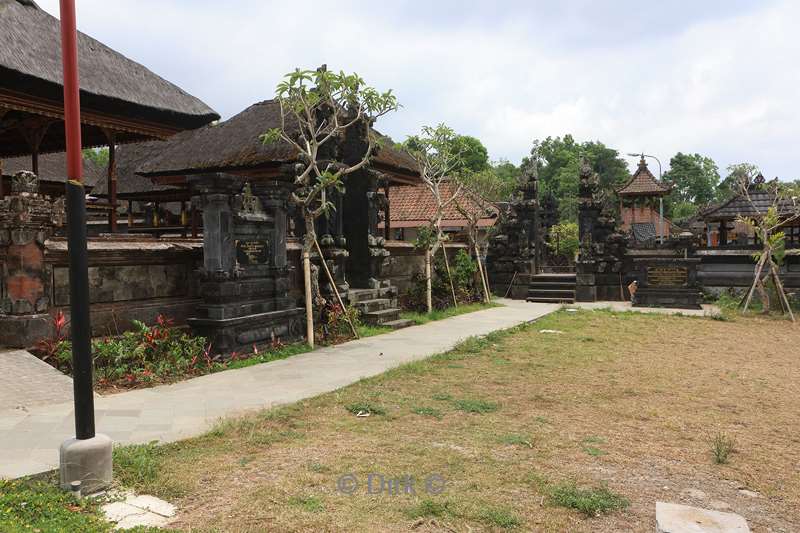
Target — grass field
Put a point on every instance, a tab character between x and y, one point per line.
579	430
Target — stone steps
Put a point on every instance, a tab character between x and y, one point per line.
378	306
552	288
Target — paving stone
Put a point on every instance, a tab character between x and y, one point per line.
27	381
675	518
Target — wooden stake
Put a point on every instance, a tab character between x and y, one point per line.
309	303
480	271
449	276
510	285
428	288
335	289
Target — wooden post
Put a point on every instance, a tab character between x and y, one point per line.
387	220
184	219
194	222
130	214
429	299
111	178
309	303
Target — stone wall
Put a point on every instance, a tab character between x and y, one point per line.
722	270
130	279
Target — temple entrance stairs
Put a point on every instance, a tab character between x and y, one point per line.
378	307
552	288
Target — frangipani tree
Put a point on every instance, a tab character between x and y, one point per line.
441	156
318	108
783	210
481	190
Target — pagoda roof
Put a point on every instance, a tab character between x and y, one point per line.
643	183
761	199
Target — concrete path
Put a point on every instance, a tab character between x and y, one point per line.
29	438
27	381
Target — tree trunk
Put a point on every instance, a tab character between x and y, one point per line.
781	293
428	287
759	269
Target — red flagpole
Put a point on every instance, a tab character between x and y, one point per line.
80	325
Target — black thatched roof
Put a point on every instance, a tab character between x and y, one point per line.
52	167
129	157
111	84
739	205
235	144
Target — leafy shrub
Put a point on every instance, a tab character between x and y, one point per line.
335	327
144	355
465	282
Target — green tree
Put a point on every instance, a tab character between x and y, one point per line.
694	178
558	161
506	171
736	174
442	155
474	154
98	156
317	109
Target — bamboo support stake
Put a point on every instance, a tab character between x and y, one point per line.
480	271
511	285
335	289
450	277
309	303
429	289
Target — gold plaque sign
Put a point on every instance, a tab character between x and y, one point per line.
252	252
667	276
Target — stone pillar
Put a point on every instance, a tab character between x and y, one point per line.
26	221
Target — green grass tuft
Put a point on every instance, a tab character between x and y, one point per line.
517	440
430	509
427	411
475	406
499	517
589	501
722	446
310	504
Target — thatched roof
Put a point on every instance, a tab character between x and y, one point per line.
643	183
111	84
761	199
129	157
235	145
52	167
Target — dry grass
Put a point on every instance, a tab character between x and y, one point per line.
625	402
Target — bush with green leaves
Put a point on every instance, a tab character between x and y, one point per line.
146	354
465	282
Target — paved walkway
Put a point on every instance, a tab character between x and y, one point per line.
27	381
29	438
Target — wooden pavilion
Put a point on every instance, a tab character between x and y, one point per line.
721	221
121	100
637	204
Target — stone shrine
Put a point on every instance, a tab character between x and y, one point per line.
245	276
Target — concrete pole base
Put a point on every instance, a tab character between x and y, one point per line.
88	461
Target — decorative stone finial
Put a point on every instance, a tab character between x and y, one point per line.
24	182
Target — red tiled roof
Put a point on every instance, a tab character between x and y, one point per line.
643	183
414	205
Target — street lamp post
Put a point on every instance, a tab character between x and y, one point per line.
660	198
87	457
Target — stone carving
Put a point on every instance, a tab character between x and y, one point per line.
24	182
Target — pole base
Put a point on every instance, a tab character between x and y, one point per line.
88	461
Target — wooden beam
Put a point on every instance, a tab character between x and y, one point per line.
33	131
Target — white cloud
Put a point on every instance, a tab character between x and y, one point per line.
722	84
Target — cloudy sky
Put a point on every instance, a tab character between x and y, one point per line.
718	77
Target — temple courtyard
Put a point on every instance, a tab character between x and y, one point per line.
578	421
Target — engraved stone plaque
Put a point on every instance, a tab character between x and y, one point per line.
252	252
664	276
